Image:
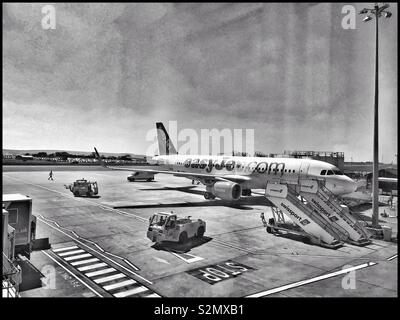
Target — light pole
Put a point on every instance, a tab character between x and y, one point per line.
377	11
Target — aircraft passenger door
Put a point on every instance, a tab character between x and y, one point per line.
304	167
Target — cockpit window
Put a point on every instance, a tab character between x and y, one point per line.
330	173
338	172
323	172
158	220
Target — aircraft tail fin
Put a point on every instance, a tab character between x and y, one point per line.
102	163
165	145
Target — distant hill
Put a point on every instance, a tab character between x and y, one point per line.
83	153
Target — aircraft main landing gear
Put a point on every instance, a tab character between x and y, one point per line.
209	196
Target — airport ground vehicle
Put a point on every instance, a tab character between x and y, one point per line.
148	176
164	226
83	187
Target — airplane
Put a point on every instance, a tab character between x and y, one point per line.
230	177
387	184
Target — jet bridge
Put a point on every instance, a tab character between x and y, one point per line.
316	212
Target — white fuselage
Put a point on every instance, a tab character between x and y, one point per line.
260	170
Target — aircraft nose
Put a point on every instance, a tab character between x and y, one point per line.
351	186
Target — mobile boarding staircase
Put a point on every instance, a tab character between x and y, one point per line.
316	213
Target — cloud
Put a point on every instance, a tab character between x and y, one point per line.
286	70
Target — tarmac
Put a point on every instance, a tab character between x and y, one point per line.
99	246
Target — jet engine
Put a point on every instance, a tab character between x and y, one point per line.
226	190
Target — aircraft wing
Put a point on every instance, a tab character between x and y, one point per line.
189	175
194	176
384	179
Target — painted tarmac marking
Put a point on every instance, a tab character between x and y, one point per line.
392	257
110	278
92	266
68	253
228	245
153	295
100	272
130	292
79	256
192	258
161	260
84	283
84	200
78	263
93	243
99	253
374	246
65	249
308	281
224	270
8	290
119	284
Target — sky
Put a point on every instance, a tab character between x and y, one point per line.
108	72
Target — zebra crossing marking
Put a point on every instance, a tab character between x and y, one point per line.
69	253
71	273
85	255
119	285
97	273
65	249
153	295
113	281
109	278
130	292
92	266
78	263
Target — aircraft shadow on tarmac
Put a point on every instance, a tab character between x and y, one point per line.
187	189
356	211
365	206
361	217
295	237
89	197
181	247
241	204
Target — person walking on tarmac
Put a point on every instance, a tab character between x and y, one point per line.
50	175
